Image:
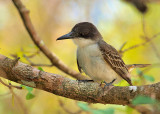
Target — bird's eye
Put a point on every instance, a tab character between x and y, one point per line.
84	32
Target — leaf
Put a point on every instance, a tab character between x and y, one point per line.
40	68
149	78
143	100
29	96
104	111
29	89
109	111
83	106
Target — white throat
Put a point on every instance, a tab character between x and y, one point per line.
82	42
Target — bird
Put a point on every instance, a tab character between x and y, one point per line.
96	58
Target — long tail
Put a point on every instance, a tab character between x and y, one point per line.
133	66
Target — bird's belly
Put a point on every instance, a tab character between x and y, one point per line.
93	64
99	70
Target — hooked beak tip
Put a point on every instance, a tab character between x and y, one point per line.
57	39
66	36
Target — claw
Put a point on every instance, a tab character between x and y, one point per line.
107	84
110	83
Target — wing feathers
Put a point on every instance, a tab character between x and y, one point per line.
79	68
112	57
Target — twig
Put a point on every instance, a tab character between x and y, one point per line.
5	84
141	44
33	64
30	62
148	39
138	45
24	13
122	46
34	54
150	67
20	102
10	85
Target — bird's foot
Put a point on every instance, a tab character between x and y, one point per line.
110	83
107	84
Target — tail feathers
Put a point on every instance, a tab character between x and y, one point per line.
133	66
129	81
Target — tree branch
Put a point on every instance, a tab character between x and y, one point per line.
24	13
89	92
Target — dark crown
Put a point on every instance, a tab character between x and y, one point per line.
86	30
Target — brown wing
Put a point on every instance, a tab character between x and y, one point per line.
79	68
112	57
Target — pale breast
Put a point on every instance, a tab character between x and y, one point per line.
92	63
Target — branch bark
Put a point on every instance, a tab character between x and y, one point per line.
89	92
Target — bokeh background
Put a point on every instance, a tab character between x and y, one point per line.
117	21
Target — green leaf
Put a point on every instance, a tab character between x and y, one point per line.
109	111
143	100
149	78
40	68
29	89
29	96
103	111
83	106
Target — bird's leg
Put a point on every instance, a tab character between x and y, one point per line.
110	83
106	85
85	81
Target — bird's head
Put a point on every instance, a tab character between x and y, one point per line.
82	34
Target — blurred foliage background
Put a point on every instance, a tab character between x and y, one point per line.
118	22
